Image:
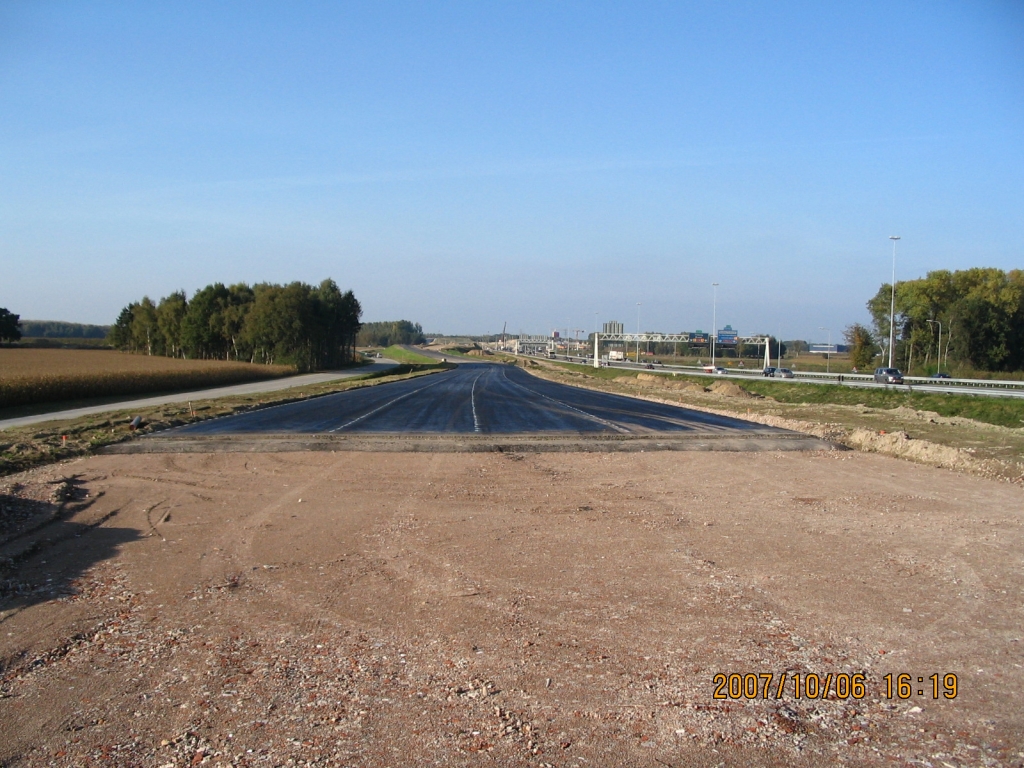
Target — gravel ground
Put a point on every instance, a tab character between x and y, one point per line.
391	609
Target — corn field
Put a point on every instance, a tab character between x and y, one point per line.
33	376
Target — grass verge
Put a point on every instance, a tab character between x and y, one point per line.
402	355
22	448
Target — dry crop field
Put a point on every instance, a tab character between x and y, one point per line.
32	376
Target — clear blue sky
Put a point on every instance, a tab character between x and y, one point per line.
466	164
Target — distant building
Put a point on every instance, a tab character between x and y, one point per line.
828	349
613	327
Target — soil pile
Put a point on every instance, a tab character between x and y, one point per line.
729	389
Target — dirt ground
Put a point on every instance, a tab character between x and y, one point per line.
572	609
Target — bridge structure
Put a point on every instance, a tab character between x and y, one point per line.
628	338
672	338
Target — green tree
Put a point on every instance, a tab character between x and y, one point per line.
237	304
120	335
202	326
145	332
862	345
169	314
10	325
981	309
384	334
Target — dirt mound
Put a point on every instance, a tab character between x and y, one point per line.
903	445
664	382
729	389
684	386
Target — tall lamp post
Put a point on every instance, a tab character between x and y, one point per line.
714	320
638	333
892	303
828	353
939	362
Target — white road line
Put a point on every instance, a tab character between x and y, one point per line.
472	402
381	408
607	423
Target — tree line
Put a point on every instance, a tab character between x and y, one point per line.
310	327
384	334
56	329
980	310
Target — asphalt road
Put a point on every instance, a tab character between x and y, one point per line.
475	398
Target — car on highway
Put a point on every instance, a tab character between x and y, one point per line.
715	369
940	375
784	373
888	376
769	371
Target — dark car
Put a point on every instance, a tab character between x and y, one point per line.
888	376
769	371
940	375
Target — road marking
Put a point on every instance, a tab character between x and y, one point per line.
472	402
607	423
381	408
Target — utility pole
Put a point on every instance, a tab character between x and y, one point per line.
637	333
714	320
939	362
828	353
892	303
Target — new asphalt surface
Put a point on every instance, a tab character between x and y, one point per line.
482	398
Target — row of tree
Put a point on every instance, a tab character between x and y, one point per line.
981	313
310	327
384	334
58	329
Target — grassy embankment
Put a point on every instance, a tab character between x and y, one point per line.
978	434
25	447
1005	412
35	376
402	355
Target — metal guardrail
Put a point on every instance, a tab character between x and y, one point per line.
951	383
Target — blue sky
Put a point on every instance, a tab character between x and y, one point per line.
466	164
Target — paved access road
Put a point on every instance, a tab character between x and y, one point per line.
475	398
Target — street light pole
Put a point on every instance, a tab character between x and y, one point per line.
828	353
714	320
638	333
939	363
892	302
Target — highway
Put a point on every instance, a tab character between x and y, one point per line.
978	387
475	398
